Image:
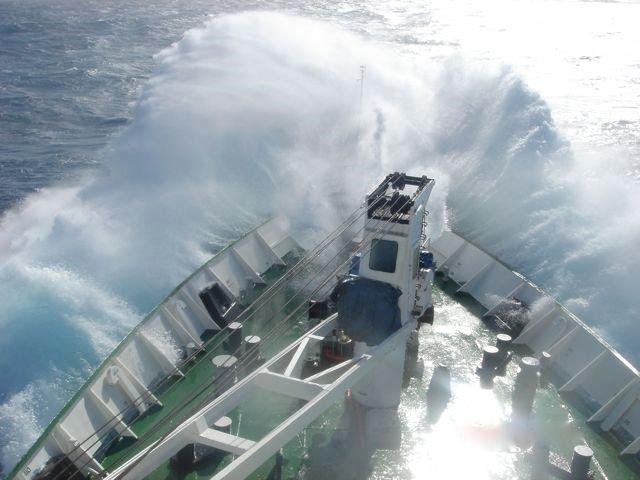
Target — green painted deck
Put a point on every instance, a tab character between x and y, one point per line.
189	391
470	439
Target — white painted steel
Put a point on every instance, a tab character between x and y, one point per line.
377	389
153	351
319	396
148	355
224	441
382	388
605	381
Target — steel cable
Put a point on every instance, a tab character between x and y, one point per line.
249	353
263	298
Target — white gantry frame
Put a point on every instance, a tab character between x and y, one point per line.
282	375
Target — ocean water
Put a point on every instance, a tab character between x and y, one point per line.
137	138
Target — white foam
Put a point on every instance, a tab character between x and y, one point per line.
259	113
21	420
18	424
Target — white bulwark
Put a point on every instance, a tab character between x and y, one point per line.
154	350
588	367
390	267
374	372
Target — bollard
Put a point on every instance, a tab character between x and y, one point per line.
490	358
542	468
224	371
524	389
252	352
252	347
488	366
580	462
252	344
503	343
545	360
235	337
545	363
191	348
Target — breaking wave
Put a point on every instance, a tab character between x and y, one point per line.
260	113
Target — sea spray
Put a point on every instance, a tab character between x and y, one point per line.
258	114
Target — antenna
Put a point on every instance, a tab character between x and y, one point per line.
362	70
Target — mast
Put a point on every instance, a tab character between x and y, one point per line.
362	70
389	269
386	286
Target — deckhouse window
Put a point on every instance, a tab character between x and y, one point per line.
383	255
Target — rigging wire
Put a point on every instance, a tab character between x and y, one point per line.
263	298
247	355
271	334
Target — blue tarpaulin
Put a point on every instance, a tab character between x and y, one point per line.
367	309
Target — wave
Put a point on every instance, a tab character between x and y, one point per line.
260	113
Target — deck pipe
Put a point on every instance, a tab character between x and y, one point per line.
487	368
191	348
252	345
524	389
580	462
542	467
254	358
545	371
503	343
224	366
234	340
490	357
311	365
